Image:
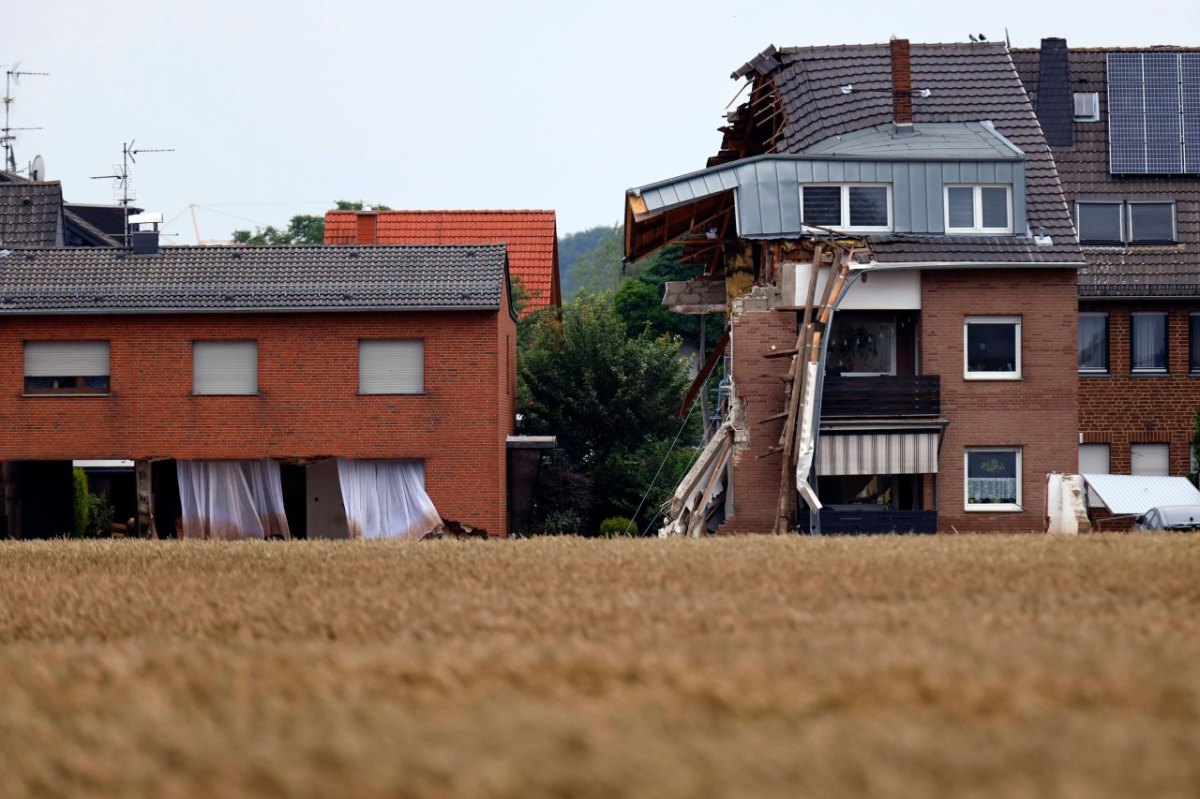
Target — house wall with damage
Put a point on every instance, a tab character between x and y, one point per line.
308	404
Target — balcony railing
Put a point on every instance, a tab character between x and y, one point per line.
862	397
872	521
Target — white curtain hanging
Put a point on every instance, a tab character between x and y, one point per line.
386	499
232	500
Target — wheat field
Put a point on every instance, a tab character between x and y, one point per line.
752	667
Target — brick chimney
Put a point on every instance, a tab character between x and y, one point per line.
368	227
902	112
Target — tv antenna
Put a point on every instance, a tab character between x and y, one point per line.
128	156
12	76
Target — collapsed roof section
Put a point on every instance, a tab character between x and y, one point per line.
964	119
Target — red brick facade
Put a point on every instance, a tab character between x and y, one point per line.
308	403
1121	409
760	389
1038	413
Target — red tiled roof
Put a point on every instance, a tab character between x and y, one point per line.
531	236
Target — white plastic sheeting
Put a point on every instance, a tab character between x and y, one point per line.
386	499
232	499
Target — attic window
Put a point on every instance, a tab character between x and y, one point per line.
978	209
1087	107
847	207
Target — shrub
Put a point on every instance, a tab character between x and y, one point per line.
81	501
101	512
616	526
562	522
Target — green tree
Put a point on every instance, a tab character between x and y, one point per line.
81	497
570	247
302	229
639	299
599	269
610	398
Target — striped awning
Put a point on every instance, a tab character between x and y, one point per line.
878	453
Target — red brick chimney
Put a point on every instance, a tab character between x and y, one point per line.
902	113
368	227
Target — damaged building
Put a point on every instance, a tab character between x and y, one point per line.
260	392
885	227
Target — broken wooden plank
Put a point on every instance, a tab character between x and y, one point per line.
702	375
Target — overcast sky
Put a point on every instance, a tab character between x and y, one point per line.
280	108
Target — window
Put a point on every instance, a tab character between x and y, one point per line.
1151	223
1194	343
225	367
1087	107
862	344
1093	343
1099	223
849	207
1148	347
1150	459
1116	223
978	209
993	479
992	348
391	367
1093	459
66	367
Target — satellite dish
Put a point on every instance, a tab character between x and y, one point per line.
37	170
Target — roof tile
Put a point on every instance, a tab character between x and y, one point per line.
252	279
531	236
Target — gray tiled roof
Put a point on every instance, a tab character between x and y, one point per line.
30	213
1083	168
101	279
967	83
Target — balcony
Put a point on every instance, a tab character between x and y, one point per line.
871	520
881	397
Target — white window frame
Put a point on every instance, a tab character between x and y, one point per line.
977	200
991	320
1151	370
845	197
992	507
214	346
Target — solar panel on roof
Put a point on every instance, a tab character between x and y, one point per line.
1154	113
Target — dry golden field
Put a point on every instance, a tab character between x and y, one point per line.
756	667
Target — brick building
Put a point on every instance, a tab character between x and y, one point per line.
309	357
916	181
1124	126
531	238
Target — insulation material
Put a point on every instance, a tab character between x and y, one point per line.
806	448
386	499
232	500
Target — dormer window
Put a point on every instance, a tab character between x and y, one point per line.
978	209
856	207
